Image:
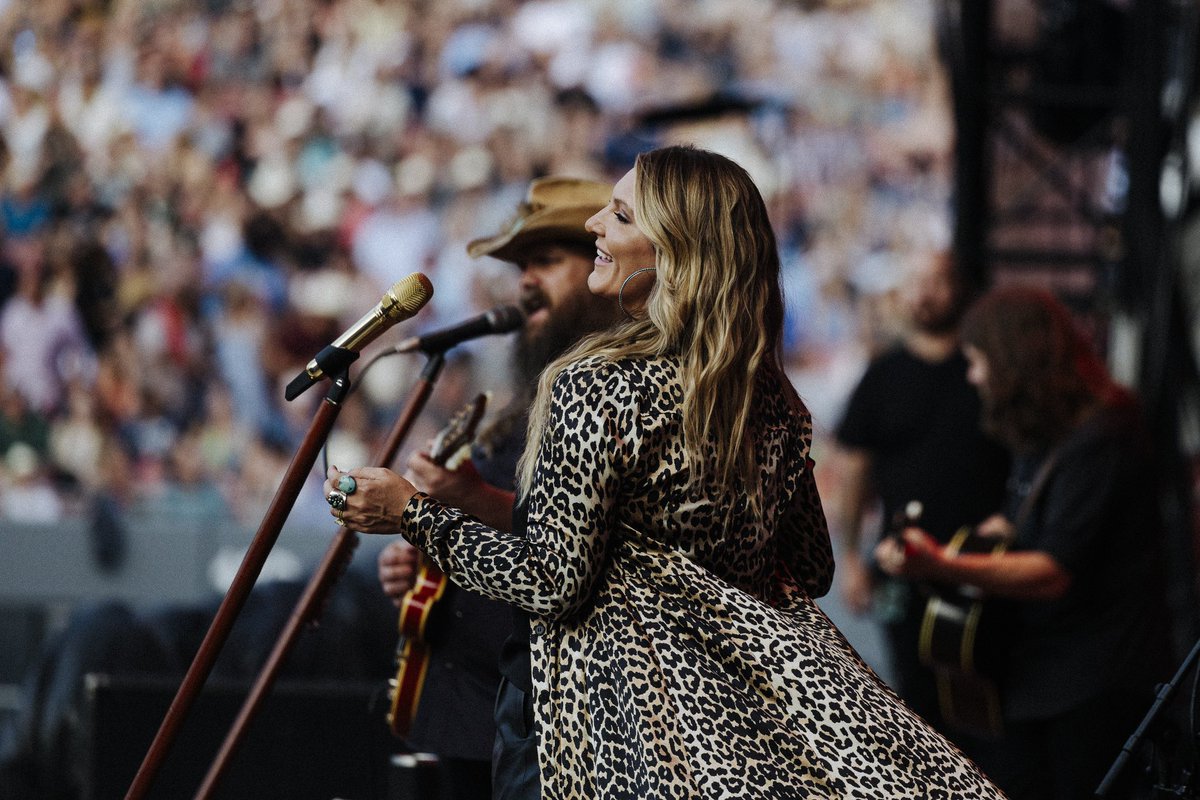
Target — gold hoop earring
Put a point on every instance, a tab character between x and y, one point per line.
621	291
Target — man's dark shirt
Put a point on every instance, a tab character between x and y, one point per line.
919	421
1096	515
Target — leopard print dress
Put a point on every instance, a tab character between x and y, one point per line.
676	650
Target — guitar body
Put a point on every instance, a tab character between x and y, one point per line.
954	636
412	652
430	584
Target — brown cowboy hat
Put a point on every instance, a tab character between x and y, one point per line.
555	209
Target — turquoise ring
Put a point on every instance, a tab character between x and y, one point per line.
347	484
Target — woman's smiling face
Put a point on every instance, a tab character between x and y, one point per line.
621	248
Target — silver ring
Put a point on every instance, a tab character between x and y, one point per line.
347	484
336	499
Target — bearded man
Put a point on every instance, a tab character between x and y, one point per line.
546	240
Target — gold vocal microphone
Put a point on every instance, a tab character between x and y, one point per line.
402	301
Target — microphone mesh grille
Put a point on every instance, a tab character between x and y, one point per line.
409	294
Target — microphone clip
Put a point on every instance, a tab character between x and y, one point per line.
332	360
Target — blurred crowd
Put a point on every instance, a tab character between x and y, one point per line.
199	195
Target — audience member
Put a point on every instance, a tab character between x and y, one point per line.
148	137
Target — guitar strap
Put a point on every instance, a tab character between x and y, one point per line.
1035	489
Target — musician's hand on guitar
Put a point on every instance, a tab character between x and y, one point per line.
856	583
454	487
997	526
397	569
917	556
377	502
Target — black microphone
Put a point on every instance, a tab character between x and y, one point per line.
402	301
500	319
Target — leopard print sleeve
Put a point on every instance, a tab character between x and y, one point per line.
590	439
806	549
806	539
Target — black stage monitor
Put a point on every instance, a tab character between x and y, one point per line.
316	740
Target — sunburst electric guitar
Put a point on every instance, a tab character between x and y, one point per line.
412	651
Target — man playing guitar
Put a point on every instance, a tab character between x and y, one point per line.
1081	586
453	719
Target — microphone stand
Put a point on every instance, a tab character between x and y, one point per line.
308	609
243	582
1162	696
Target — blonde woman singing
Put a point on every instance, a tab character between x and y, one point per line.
670	538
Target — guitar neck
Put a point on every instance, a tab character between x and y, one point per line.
416	607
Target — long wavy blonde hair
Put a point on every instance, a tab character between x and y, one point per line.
716	305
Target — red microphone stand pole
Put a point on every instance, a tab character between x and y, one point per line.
243	582
308	609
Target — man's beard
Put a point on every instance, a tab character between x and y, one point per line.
567	322
937	321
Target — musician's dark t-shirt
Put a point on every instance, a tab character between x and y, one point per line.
920	423
1096	515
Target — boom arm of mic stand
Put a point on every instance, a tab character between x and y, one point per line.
334	564
243	582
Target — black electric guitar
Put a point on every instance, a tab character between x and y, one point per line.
955	642
412	651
